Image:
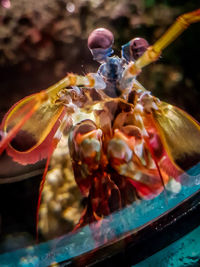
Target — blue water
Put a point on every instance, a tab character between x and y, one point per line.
184	252
120	223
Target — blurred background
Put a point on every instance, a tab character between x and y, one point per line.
40	41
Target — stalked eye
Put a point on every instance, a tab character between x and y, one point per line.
100	43
100	38
138	46
134	49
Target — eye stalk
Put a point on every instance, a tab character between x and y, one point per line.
100	43
134	49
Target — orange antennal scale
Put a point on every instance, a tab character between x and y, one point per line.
21	122
6	140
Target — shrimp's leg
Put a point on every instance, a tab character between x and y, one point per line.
51	150
153	52
91	80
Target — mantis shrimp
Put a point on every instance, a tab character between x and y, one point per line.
123	141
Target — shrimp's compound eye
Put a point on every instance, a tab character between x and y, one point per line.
138	46
134	49
100	44
100	38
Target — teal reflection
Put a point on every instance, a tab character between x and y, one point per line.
184	252
120	223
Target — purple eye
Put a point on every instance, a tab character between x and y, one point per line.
100	38
138	46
